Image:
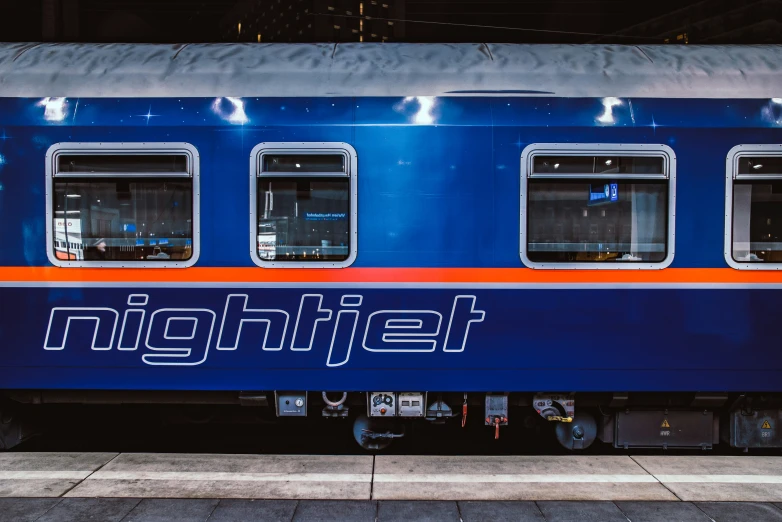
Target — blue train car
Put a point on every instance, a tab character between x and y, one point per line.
588	232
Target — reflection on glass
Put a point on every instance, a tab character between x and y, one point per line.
760	165
109	163
304	219
597	165
138	219
597	220
303	163
757	221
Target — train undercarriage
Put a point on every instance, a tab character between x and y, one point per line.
578	420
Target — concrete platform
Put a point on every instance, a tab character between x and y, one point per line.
499	479
716	478
46	474
231	476
233	510
514	478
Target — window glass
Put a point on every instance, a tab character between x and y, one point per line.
598	164
757	217
132	219
303	163
760	165
597	220
111	163
304	218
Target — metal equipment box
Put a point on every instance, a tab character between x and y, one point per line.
291	404
496	411
382	404
758	429
664	429
411	404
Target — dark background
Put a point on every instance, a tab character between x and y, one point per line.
532	21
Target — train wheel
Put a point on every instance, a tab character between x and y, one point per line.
376	434
579	434
13	430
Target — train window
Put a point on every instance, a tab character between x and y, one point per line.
122	204
303	205
597	206
122	164
753	227
298	163
597	165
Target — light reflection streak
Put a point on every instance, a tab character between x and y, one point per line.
426	104
235	110
772	111
54	108
608	110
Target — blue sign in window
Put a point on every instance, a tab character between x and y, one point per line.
603	193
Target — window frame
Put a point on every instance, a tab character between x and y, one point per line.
598	149
314	148
731	174
141	149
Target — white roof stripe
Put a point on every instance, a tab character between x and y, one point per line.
256	70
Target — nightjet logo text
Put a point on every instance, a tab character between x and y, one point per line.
184	336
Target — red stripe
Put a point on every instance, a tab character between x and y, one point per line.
384	275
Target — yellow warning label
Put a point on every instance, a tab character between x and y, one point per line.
766	425
665	424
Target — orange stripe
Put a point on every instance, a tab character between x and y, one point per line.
385	275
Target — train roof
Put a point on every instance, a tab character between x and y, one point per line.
401	69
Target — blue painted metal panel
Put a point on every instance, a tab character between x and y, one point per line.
438	187
444	172
527	340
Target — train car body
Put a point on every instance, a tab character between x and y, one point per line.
439	292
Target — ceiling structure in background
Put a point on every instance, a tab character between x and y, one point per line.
523	21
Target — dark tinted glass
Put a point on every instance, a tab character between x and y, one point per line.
140	219
570	221
760	165
757	221
597	164
303	163
304	219
107	163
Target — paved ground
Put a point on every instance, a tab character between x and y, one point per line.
136	487
230	510
701	478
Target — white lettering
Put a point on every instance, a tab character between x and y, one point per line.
402	331
183	336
